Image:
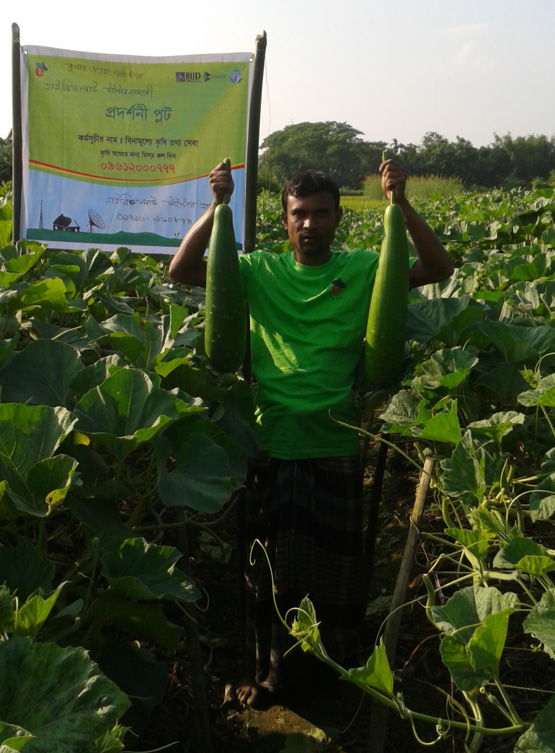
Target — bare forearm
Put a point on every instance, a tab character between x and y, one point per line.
434	263
189	265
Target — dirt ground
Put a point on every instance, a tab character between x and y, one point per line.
318	717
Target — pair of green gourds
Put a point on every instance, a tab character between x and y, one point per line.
225	328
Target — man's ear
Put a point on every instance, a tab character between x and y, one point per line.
338	215
284	219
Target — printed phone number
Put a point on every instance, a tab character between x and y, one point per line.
123	217
134	167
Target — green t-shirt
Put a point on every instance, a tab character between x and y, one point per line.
307	328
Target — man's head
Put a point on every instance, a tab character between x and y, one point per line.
307	183
311	214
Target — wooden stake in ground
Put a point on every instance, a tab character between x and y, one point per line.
378	724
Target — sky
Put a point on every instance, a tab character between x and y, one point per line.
393	70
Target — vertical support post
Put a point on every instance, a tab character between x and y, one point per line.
251	173
17	139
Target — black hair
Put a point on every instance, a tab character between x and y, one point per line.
307	183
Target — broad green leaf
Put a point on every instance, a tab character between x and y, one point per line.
443	318
477	542
446	368
540	737
457	659
139	570
526	555
468	608
376	672
48	483
137	618
476	662
541	622
125	411
50	294
203	478
24	570
542	499
23	382
402	410
140	675
58	695
12	737
28	435
94	375
443	427
497	425
178	372
32	615
520	344
464	472
543	394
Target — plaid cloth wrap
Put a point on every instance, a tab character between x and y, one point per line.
308	515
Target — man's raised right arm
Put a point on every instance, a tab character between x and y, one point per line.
189	265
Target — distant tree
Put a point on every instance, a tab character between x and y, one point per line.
333	147
530	156
5	159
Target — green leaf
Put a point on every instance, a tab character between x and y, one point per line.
12	737
446	368
477	542
58	695
497	425
520	344
203	478
376	672
464	472
542	499
140	675
468	608
49	294
125	411
28	435
543	394
541	622
443	427
139	570
24	570
540	737
32	615
526	555
136	618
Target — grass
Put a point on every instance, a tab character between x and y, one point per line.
428	187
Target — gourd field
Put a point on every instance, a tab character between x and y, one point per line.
122	458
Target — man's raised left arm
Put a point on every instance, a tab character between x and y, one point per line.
434	263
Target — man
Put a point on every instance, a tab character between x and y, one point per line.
308	313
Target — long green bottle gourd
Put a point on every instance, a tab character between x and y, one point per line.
225	323
385	332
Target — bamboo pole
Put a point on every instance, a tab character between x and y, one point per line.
379	714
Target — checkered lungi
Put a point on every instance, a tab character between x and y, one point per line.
308	515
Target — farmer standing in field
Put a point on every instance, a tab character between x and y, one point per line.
308	313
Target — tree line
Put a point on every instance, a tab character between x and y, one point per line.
338	149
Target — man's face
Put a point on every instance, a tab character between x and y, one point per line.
311	222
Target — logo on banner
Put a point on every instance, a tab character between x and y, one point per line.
40	69
213	76
188	76
236	77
